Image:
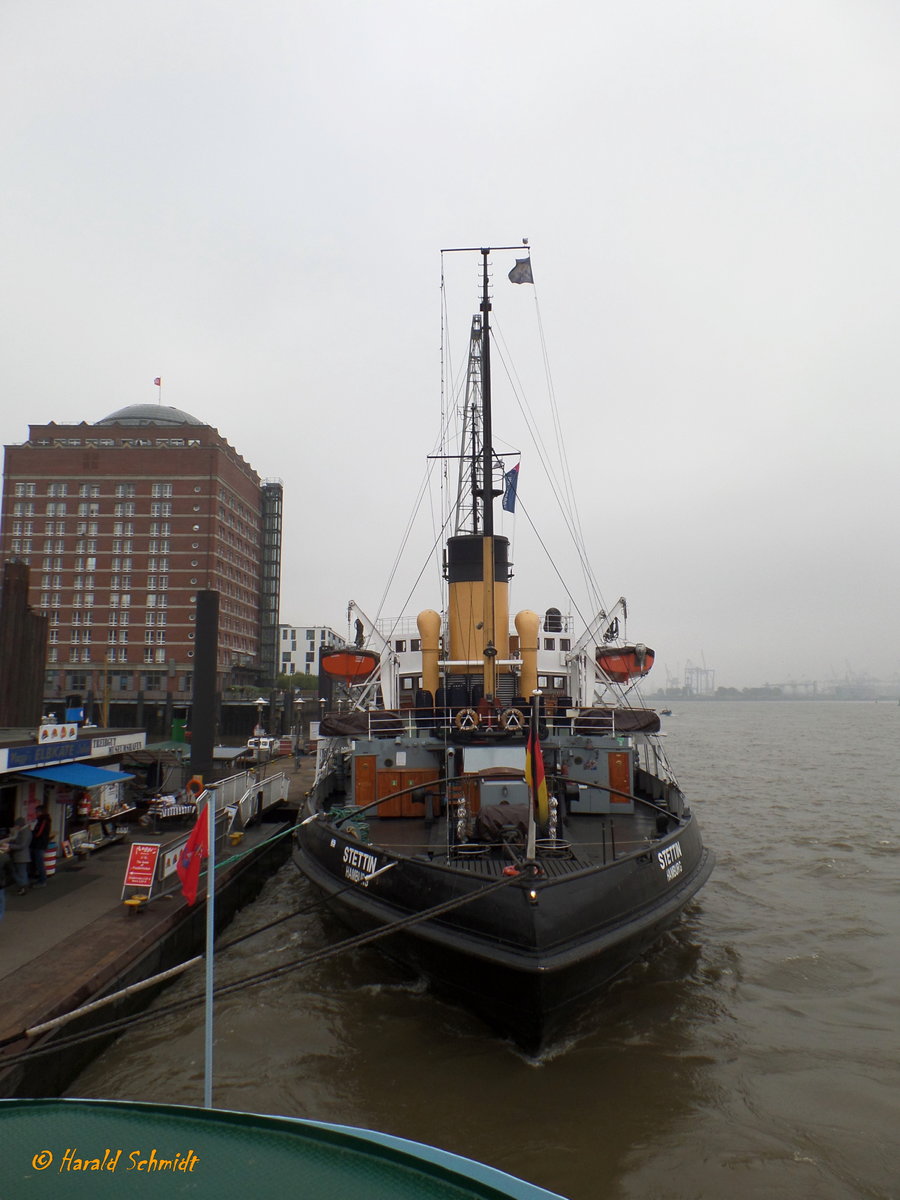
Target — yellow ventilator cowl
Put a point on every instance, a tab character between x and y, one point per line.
429	623
528	625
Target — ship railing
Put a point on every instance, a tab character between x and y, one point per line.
513	716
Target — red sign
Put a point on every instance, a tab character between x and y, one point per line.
141	867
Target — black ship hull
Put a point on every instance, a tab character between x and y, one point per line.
533	954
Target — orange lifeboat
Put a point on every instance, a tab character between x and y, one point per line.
349	664
621	663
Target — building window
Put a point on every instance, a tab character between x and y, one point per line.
57	489
25	489
124	489
161	489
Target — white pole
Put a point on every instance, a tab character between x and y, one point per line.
210	938
531	842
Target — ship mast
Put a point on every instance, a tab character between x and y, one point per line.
487	486
477	560
468	491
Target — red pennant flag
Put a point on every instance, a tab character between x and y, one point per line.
535	777
190	860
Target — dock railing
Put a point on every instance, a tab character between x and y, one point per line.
238	800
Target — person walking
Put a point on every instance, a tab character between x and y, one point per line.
20	853
40	840
7	879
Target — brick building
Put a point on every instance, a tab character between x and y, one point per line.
122	521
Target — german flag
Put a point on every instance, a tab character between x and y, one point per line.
535	777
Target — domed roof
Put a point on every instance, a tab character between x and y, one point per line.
149	414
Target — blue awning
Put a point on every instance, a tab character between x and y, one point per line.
78	774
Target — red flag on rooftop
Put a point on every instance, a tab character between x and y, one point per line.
190	860
535	777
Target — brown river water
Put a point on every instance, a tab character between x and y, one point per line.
754	1053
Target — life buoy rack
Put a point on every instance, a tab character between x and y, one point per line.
512	720
466	719
195	786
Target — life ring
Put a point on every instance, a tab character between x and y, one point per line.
466	718
195	786
512	720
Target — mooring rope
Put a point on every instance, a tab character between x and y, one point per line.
114	1027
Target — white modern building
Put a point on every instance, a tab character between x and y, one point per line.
299	647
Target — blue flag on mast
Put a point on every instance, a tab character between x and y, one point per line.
510	483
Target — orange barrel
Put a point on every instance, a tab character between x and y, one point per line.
50	859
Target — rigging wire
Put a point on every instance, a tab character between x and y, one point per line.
564	457
533	428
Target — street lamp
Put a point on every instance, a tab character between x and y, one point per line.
260	703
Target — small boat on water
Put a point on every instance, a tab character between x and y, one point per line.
492	801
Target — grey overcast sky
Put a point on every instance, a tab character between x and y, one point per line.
248	199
